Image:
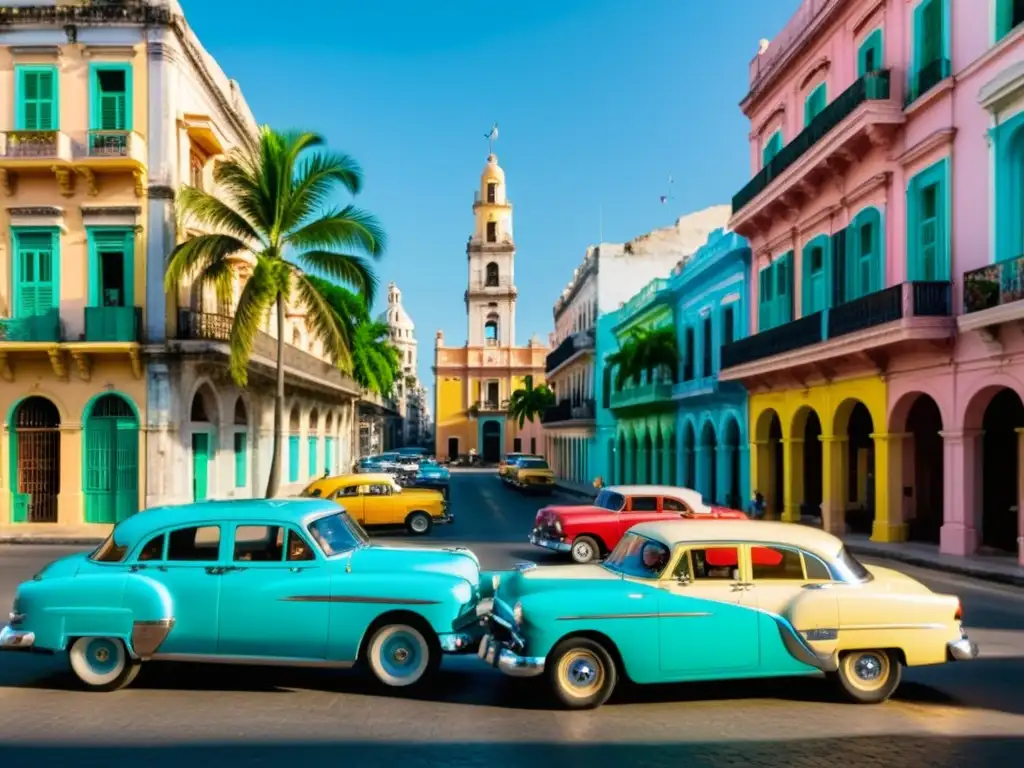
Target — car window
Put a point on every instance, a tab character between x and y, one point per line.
109	552
673	505
259	543
776	563
638	556
643	504
815	569
336	534
194	544
154	548
378	489
851	567
298	548
351	490
610	500
710	564
533	464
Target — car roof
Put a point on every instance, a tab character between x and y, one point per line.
290	510
752	531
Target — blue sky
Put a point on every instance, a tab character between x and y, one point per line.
598	101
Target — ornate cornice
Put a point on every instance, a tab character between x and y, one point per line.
128	11
939	138
36	211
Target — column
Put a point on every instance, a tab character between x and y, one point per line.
834	460
762	477
71	497
723	458
792	478
888	526
744	462
1020	496
963	491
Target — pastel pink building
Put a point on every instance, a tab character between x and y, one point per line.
886	217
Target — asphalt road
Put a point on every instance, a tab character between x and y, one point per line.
953	715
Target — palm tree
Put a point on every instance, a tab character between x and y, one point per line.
646	350
624	359
375	362
273	209
529	402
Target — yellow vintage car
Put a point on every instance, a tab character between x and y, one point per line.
506	465
532	474
376	499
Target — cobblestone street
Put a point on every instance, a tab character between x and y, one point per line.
954	715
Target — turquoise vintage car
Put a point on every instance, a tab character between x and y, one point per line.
711	600
279	582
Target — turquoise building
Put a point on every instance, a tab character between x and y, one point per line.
710	300
692	430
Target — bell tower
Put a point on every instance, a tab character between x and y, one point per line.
491	253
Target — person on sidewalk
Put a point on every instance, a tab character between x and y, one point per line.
757	506
599	482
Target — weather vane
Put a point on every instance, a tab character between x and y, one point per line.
491	136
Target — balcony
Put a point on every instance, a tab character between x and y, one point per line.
644	395
866	330
31	330
113	324
28	149
488	406
112	150
196	326
862	116
993	296
565	413
926	78
572	348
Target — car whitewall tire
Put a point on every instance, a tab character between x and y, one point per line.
419	523
400	656
869	676
102	663
584	550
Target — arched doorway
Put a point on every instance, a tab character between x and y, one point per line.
923	457
1000	481
313	442
770	467
111	452
689	456
708	485
492	441
853	419
732	482
35	461
807	427
203	427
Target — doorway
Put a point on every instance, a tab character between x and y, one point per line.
492	442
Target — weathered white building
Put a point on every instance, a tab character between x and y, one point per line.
610	274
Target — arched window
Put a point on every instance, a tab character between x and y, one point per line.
492	275
491	331
296	337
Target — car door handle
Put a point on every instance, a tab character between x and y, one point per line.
741	586
215	570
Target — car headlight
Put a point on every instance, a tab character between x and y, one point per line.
517	613
558	526
462	592
495	581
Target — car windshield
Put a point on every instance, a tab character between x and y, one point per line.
533	464
852	568
109	552
638	556
338	533
610	500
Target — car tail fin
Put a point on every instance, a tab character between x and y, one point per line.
959	614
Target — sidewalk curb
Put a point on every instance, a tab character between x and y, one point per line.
965	569
50	541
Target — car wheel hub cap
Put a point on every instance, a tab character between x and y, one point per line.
401	655
582	551
582	673
868	668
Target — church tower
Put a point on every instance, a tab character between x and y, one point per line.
491	254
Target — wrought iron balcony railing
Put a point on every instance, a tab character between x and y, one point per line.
994	285
566	410
926	78
577	342
644	394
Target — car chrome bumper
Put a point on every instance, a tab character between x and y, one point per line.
557	546
512	664
457	642
12	639
962	650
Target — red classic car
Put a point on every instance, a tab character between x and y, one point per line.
590	531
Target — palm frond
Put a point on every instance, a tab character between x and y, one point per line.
325	323
196	255
216	214
352	270
346	228
258	296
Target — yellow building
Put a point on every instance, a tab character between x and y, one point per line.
473	384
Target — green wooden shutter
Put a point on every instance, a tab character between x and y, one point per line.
813	292
200	465
869	55
329	455
814	103
111	94
764	300
783	267
36	292
126	467
928	234
241	463
838	250
111	287
931	32
37	99
293	458
771	148
100	452
312	446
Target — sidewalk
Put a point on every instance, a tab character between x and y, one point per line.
1003	570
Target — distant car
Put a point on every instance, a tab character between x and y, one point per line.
587	532
381	462
687	601
378	500
531	474
277	582
507	463
432	475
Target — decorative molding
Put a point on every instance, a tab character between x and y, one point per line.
121	13
1003	87
779	111
35	211
822	64
83	364
5	369
119	215
65	180
49	51
127	51
935	140
812	224
90	181
859	22
865	188
37	216
140	182
8	181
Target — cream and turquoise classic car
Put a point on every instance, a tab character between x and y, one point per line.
278	582
709	600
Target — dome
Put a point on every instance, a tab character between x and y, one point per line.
395	315
492	171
